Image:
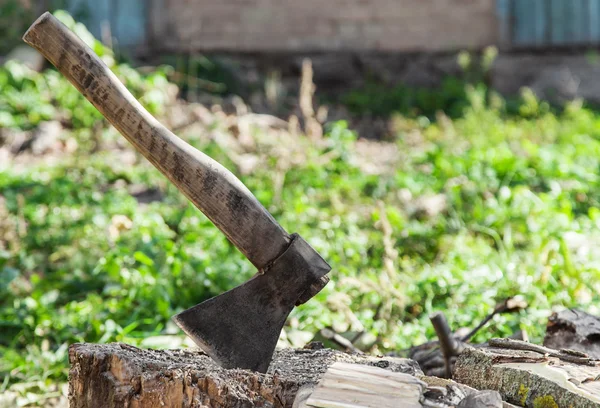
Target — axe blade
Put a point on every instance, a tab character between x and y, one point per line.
240	328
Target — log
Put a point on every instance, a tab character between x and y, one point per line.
530	379
119	375
574	329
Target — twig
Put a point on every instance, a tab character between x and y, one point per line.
565	355
340	340
489	317
448	344
508	305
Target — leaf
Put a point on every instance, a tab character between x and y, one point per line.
143	258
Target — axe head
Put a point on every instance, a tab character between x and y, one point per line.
240	328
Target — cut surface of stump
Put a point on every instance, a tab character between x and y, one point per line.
530	379
119	375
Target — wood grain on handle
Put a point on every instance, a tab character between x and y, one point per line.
211	187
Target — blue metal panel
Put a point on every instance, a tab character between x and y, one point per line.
557	16
541	27
594	21
568	21
130	21
126	19
503	12
550	22
524	22
96	14
523	33
579	22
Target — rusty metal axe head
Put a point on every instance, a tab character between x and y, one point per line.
240	327
251	316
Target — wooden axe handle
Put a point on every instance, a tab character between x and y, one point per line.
211	187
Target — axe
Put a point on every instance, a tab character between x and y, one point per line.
239	328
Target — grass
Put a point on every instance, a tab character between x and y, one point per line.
81	259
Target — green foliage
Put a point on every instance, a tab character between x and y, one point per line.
451	97
14	20
17	15
380	100
83	260
28	98
197	74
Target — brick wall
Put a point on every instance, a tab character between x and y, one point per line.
322	25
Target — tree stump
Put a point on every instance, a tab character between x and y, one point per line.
119	375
